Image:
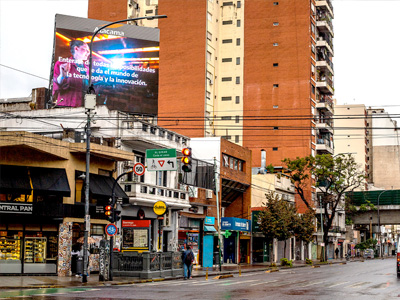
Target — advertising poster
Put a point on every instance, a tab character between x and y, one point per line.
125	62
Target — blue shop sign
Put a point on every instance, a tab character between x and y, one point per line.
235	224
209	221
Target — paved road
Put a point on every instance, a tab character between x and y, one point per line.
372	279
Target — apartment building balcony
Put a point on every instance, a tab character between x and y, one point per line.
325	84
324	23
326	6
326	42
144	193
325	65
325	103
324	146
324	125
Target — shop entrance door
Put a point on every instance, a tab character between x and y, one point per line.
230	249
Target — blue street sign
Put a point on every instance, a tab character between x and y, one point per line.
111	229
209	220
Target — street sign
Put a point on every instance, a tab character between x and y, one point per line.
111	229
161	159
138	169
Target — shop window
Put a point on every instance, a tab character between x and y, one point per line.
226	160
97	229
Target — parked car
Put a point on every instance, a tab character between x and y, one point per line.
368	253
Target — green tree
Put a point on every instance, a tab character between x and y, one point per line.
334	176
278	219
304	226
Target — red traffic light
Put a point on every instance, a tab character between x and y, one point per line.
108	207
187	151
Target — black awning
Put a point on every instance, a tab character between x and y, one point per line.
14	179
102	186
50	181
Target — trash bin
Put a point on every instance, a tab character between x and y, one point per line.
79	265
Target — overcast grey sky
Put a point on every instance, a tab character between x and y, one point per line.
367	48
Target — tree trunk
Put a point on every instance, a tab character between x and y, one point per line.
284	250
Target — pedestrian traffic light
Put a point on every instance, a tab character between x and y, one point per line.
109	213
117	216
187	160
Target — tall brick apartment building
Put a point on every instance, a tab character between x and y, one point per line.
256	72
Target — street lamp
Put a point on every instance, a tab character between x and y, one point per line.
379	225
90	103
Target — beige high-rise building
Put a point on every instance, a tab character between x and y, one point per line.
351	135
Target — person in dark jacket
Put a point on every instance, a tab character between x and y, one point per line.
187	260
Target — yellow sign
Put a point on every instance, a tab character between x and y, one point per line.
160	208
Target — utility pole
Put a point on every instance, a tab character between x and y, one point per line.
218	217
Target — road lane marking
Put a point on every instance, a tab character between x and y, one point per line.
264	282
357	284
340	283
312	283
212	282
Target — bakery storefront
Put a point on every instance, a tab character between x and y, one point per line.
31	210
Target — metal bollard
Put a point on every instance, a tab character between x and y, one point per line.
240	271
207	273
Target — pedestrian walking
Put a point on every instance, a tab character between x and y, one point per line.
337	253
187	259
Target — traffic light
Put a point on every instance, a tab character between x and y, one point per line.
117	216
109	213
187	160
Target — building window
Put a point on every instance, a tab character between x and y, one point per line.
276	23
226	137
209	56
209	36
237	119
227	22
236	139
150	11
238	4
276	3
209	75
313	89
227	3
237	42
275	44
237	23
275	149
237	60
276	127
276	85
226	79
208	95
227	60
226	118
209	16
275	106
228	41
228	98
144	127
237	100
237	80
312	48
275	64
312	28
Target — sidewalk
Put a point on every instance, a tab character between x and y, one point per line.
20	282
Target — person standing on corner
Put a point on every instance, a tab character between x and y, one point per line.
187	260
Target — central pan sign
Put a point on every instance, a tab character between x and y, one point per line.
159	208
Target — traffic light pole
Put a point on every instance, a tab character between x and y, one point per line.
218	218
113	214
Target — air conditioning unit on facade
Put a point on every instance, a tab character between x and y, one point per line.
209	194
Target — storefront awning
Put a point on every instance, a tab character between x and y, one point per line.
209	229
50	181
14	179
102	186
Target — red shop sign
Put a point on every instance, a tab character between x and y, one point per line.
136	223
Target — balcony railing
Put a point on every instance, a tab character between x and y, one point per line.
326	79
324	142
155	192
323	120
325	18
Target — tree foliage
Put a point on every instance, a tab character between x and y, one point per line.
277	218
333	176
280	220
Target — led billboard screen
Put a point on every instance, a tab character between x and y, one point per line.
125	62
